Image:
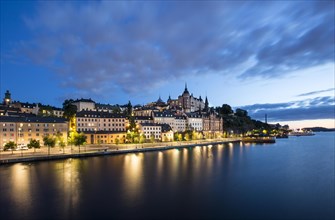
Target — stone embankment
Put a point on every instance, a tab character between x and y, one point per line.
103	150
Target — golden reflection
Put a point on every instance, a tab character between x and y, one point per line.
21	183
133	175
69	181
209	160
184	160
231	150
175	164
160	162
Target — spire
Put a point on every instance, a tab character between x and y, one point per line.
206	104
169	99
186	91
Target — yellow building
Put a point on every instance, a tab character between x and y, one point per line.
105	137
22	129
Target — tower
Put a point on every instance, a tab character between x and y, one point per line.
7	100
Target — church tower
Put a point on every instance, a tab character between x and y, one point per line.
7	100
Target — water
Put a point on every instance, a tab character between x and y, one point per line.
292	179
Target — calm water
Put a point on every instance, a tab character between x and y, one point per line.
292	179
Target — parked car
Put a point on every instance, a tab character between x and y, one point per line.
22	147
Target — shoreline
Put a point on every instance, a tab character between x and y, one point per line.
106	152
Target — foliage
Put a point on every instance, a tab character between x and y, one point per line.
34	144
152	138
79	139
129	109
117	141
49	141
9	146
70	110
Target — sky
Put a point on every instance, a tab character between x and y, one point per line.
267	57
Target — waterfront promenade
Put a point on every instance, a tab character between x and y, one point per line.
100	150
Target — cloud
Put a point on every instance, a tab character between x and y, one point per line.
316	92
307	109
101	47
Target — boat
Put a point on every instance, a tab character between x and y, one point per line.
258	140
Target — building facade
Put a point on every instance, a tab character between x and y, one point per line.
100	121
22	129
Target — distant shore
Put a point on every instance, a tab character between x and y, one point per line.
101	150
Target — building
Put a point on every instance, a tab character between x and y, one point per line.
8	99
194	122
165	117
22	129
180	123
143	119
84	104
187	102
212	123
105	137
151	130
100	121
167	133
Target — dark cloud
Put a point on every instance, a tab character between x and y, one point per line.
316	108
316	92
106	45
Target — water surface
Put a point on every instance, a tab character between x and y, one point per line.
292	179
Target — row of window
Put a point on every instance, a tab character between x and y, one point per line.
105	129
85	125
29	134
151	128
29	130
29	125
89	119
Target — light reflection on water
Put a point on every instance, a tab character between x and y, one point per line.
133	176
208	182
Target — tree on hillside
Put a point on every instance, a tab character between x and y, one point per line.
241	113
225	110
129	109
70	111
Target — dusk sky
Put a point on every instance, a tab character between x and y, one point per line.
274	58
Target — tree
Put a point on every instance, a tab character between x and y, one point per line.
226	110
129	109
117	141
152	138
241	113
10	146
49	141
60	140
187	136
180	137
79	139
34	144
70	111
142	138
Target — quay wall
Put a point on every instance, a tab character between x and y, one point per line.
105	152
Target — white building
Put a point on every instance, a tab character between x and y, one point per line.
180	123
84	104
151	129
194	121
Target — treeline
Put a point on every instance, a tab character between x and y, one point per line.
239	122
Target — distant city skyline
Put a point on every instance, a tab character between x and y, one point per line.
274	58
